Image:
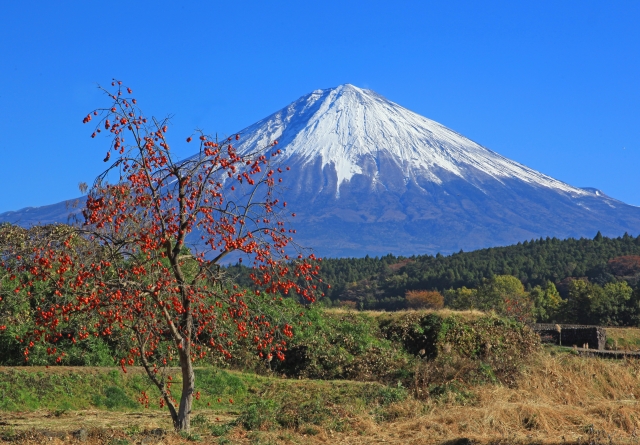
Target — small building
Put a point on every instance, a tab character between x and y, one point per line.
581	336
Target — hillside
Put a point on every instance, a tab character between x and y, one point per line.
533	262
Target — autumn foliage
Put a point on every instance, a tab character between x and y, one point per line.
627	265
424	299
145	262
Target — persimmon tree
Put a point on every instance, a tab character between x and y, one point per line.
145	262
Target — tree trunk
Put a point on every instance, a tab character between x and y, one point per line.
183	420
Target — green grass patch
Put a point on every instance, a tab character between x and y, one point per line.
259	403
623	339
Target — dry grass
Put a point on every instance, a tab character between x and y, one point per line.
559	398
466	315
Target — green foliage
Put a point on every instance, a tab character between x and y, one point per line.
494	293
491	295
298	406
349	280
114	398
614	304
219	383
90	352
482	349
452	391
546	301
17	321
528	281
266	403
191	437
459	349
503	294
24	390
259	415
381	283
460	298
533	263
221	429
342	346
388	395
409	348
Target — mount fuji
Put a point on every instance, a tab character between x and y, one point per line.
371	177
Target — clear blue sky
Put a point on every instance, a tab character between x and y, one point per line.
553	85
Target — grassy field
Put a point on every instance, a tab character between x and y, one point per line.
623	339
351	378
560	398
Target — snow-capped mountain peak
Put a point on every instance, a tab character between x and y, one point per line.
345	125
368	176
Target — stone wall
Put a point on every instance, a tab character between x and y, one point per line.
572	335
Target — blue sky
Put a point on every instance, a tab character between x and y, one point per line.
553	85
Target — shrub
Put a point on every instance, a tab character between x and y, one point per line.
482	349
342	346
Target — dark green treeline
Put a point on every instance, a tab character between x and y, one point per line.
385	280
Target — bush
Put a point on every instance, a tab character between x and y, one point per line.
342	346
482	349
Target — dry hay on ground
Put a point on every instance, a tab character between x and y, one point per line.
558	399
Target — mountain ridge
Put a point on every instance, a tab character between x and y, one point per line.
442	148
370	177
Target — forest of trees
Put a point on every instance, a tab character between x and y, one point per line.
596	280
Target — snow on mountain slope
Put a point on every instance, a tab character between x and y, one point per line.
343	125
371	177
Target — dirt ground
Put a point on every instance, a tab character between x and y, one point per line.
154	427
